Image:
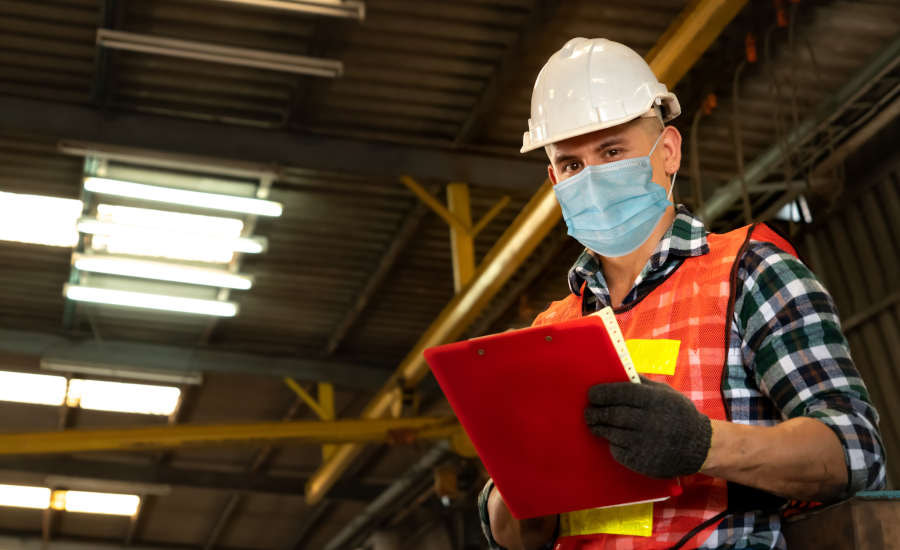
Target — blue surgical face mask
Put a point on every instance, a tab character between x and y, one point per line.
613	208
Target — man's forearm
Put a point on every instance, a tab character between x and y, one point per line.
514	534
800	458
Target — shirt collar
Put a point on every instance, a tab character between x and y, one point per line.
686	237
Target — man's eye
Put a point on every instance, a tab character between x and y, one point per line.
573	166
613	153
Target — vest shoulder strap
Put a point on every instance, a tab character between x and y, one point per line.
735	239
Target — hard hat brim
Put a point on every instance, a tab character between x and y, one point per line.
671	109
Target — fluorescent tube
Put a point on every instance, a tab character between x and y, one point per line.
100	395
229	55
144	300
163	234
37	389
147	269
199	199
21	496
38	219
173	221
96	503
42	498
334	8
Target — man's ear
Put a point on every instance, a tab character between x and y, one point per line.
671	143
551	174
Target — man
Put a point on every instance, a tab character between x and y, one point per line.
764	403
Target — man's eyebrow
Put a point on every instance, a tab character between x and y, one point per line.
563	158
608	142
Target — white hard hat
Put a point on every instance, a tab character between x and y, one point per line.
591	84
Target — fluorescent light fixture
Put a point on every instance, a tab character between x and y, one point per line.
38	219
159	302
21	496
42	498
177	161
333	8
147	269
37	389
158	233
99	395
199	199
115	371
229	55
112	504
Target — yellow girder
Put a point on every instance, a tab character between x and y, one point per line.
391	430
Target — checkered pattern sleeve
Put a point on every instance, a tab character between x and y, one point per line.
793	344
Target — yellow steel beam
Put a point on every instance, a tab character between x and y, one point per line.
702	20
309	400
691	34
462	242
434	204
326	400
399	430
490	215
326	403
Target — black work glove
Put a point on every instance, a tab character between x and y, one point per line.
651	428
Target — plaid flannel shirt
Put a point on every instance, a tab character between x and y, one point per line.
787	357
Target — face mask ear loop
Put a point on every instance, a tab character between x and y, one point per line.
671	187
655	143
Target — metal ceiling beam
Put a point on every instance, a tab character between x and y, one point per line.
512	249
12	542
171	359
162	474
827	112
510	66
190	435
687	38
462	240
408	229
262	458
536	265
378	506
383	160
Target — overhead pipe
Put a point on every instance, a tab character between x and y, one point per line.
678	49
418	470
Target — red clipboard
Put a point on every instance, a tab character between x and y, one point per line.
521	395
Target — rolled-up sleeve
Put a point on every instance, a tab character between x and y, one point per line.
800	359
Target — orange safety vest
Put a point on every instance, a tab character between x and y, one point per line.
694	306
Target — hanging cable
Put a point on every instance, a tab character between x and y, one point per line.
705	109
780	131
750	56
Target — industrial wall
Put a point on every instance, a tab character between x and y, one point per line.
855	250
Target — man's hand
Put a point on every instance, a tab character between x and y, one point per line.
651	428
